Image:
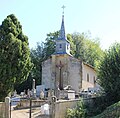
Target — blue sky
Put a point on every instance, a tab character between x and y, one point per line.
39	17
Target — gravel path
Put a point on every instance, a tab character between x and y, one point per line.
24	113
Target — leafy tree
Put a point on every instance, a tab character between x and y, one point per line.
109	72
85	48
72	45
25	85
15	63
93	53
78	41
49	44
37	58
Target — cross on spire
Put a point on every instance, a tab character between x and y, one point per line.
63	7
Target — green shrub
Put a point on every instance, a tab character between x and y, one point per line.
78	112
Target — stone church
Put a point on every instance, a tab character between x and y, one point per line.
62	69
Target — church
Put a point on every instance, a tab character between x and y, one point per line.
62	69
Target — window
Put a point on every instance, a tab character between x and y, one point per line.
87	77
67	47
94	80
60	45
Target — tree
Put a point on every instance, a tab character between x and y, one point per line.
85	48
109	72
37	58
93	53
15	62
78	41
25	85
49	44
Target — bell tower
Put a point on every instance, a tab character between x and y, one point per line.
62	44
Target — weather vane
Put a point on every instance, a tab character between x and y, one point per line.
63	7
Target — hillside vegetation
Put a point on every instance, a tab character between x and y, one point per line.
112	111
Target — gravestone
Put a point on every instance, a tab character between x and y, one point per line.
42	94
40	88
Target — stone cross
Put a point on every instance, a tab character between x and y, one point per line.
60	66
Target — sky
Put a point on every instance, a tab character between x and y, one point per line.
40	17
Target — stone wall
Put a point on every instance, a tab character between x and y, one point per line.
5	108
26	103
46	74
75	73
62	106
2	109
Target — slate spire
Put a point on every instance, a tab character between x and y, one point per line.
62	30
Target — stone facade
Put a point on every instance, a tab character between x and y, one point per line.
47	79
70	72
74	72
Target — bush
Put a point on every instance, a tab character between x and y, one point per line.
78	112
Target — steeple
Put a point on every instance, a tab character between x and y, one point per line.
62	30
62	44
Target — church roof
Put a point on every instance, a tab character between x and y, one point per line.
89	65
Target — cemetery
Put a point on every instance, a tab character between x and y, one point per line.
64	81
67	76
44	103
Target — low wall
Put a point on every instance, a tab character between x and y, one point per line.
26	103
2	109
5	108
62	106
